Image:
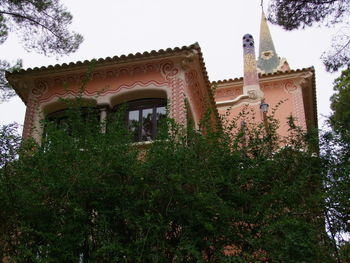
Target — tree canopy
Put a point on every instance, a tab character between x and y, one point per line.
335	146
9	143
300	14
191	196
335	143
42	26
6	92
340	103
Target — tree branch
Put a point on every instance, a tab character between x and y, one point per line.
29	19
342	48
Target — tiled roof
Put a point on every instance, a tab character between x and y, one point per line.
116	59
265	75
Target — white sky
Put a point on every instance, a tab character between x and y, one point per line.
116	27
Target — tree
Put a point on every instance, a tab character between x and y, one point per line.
300	14
6	92
214	195
340	104
336	153
335	146
9	143
42	26
335	143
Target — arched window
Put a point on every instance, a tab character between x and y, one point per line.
62	119
143	118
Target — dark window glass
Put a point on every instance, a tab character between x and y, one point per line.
147	124
144	118
63	118
134	123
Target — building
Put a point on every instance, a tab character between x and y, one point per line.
151	80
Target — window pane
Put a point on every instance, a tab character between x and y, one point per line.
64	125
144	116
146	133
134	124
161	115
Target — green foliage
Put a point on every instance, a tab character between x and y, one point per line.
340	104
6	92
338	55
335	148
345	252
225	195
9	143
300	14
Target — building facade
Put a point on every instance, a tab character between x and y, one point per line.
174	77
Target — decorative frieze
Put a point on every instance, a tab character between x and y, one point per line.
290	86
228	92
107	74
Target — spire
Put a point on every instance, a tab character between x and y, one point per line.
268	60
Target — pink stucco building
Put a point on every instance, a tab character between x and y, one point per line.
150	80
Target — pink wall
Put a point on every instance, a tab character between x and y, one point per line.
284	95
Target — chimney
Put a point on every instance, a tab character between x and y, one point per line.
251	85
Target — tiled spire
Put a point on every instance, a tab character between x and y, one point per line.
268	61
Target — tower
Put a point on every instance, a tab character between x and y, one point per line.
269	80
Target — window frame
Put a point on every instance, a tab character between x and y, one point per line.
58	116
140	105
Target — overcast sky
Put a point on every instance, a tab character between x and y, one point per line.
116	27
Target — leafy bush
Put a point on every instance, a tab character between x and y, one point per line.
219	195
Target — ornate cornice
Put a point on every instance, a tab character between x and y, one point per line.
103	74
